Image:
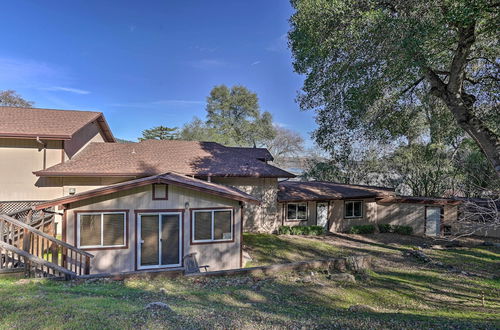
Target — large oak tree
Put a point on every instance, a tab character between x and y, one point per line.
368	63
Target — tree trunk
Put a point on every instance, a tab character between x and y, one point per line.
487	140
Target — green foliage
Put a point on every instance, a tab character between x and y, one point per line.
233	119
402	230
160	133
384	227
370	66
235	114
362	229
285	230
10	98
301	230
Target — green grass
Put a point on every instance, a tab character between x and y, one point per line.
405	294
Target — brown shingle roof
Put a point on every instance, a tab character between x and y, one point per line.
420	200
258	153
167	178
48	123
152	157
323	191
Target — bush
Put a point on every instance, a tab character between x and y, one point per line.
403	230
362	229
284	230
384	228
301	230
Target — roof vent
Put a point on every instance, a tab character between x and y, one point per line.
133	151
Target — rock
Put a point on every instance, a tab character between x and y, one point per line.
339	264
342	277
163	290
159	306
418	254
358	263
437	247
23	281
306	279
361	309
439	264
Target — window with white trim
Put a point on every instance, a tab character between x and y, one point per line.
101	230
353	209
296	211
212	225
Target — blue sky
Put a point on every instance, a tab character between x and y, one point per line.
148	63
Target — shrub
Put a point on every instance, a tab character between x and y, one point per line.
301	230
403	230
284	230
384	228
362	229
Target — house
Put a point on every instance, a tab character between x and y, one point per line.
128	207
338	207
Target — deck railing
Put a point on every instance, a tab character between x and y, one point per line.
22	245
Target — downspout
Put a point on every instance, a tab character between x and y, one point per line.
44	151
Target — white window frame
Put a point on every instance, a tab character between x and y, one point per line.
353	216
297	211
101	246
139	240
193	229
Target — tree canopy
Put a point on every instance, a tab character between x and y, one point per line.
10	98
370	65
160	133
235	114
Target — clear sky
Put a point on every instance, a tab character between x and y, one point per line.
149	63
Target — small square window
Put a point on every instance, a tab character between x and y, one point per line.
353	209
296	211
160	191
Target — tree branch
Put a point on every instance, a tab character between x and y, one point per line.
457	68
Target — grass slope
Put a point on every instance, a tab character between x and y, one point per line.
406	294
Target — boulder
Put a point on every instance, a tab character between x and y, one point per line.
342	277
158	305
358	263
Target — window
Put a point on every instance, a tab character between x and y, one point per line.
160	191
212	225
100	230
353	209
296	211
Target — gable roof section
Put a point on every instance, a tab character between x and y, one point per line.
290	191
167	178
153	157
48	123
258	153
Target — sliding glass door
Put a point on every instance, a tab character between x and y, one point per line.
159	240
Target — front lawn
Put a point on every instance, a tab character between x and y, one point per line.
404	293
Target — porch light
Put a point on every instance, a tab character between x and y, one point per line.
186	205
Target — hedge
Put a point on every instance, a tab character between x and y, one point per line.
301	230
362	229
384	228
402	230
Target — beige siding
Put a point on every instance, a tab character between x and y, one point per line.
81	139
339	224
405	214
260	218
19	158
82	184
217	256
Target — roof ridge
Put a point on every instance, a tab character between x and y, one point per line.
50	109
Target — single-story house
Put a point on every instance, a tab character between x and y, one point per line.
338	207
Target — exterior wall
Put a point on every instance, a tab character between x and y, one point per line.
405	214
224	255
311	216
81	139
340	224
19	158
263	217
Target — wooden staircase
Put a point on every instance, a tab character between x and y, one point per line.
30	246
